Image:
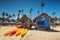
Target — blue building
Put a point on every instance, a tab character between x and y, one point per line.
43	22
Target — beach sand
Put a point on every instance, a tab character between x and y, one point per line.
31	35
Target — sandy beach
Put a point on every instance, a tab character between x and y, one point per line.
31	35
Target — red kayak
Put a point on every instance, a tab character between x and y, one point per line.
18	26
13	32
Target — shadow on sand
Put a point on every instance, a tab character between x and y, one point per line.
46	30
50	30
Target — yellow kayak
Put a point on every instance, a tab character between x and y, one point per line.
18	32
23	32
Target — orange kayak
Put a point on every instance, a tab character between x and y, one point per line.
7	32
18	32
11	31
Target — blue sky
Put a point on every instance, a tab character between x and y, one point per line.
12	7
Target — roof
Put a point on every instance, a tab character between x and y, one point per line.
25	17
43	14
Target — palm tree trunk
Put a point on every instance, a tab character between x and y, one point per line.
54	22
18	17
30	15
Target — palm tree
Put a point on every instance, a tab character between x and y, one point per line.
10	16
19	14
53	13
56	18
13	15
7	17
7	14
3	18
38	12
42	5
31	12
13	19
30	15
3	14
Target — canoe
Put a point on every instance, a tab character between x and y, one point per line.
23	32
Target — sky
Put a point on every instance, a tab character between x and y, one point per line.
12	7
